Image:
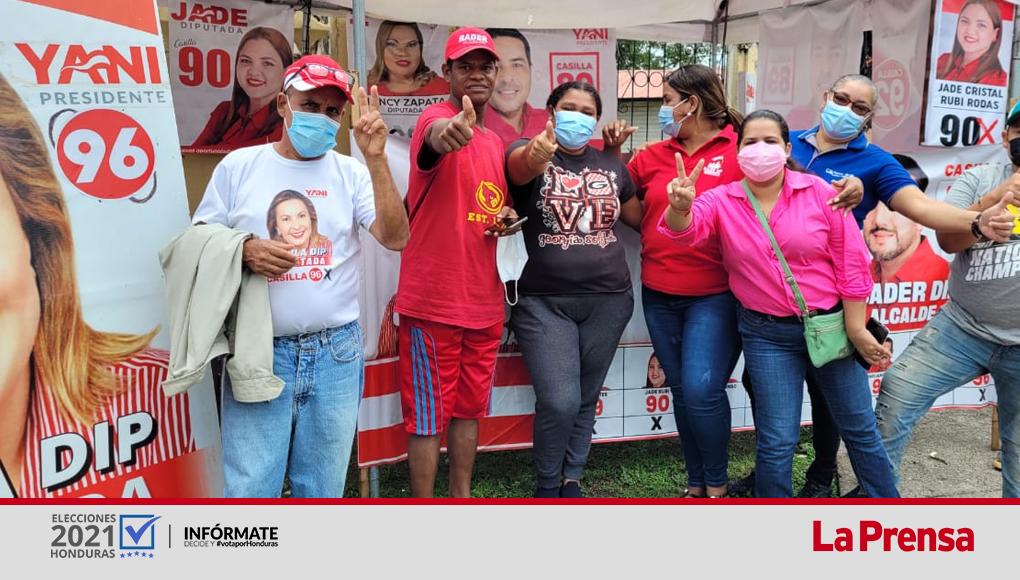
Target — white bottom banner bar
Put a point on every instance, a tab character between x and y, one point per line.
954	539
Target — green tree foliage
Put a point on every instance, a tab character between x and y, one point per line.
647	55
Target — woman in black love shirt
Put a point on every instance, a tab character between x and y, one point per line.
575	292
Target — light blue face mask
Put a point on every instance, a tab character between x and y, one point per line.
311	134
667	123
840	122
574	129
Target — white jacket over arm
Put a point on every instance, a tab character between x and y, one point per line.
216	307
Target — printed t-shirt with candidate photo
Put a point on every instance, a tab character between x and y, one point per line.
572	208
314	205
448	269
693	271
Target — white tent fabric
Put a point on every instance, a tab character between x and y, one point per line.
562	13
655	20
539	13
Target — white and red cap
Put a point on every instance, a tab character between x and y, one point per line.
467	39
315	71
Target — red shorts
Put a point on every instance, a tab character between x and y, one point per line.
445	373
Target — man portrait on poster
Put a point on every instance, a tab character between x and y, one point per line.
509	115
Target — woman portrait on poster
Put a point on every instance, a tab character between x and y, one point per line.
975	54
250	116
292	219
656	379
58	374
400	67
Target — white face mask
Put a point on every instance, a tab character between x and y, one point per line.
511	256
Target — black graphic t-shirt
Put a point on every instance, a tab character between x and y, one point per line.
572	209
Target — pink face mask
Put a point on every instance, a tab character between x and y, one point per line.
761	161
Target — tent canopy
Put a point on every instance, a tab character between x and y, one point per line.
559	14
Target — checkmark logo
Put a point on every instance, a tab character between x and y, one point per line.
137	530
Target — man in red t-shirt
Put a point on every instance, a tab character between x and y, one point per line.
450	298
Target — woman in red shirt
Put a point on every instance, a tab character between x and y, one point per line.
689	310
250	116
975	55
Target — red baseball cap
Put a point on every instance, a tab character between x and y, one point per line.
317	70
467	39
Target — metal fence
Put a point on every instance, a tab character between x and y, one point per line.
642	69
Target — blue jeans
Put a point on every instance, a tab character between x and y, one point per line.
777	359
695	339
940	358
307	431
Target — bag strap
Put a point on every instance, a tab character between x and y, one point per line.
801	303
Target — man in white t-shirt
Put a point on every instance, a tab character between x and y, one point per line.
303	203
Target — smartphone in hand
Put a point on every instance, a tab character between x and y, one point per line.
880	332
506	224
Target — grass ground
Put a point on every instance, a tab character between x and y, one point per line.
632	469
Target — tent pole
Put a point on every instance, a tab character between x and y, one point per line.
358	9
359	39
306	26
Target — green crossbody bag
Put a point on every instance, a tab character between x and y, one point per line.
825	334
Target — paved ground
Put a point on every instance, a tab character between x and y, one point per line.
960	438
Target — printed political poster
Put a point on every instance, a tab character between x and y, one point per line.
92	188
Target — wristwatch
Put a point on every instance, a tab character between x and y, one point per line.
975	226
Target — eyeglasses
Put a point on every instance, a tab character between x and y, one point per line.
843	100
321	71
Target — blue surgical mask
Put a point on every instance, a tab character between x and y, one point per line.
667	123
574	129
311	134
840	122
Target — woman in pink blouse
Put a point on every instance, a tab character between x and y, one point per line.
830	263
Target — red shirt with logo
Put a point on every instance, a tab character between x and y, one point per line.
448	269
664	266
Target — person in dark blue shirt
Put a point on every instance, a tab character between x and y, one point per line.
838	150
863	174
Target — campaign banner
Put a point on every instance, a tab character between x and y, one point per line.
407	66
911	271
900	51
227	59
802	50
968	74
92	188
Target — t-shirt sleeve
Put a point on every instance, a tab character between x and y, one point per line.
626	183
890	178
364	197
421	131
218	198
634	168
965	190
